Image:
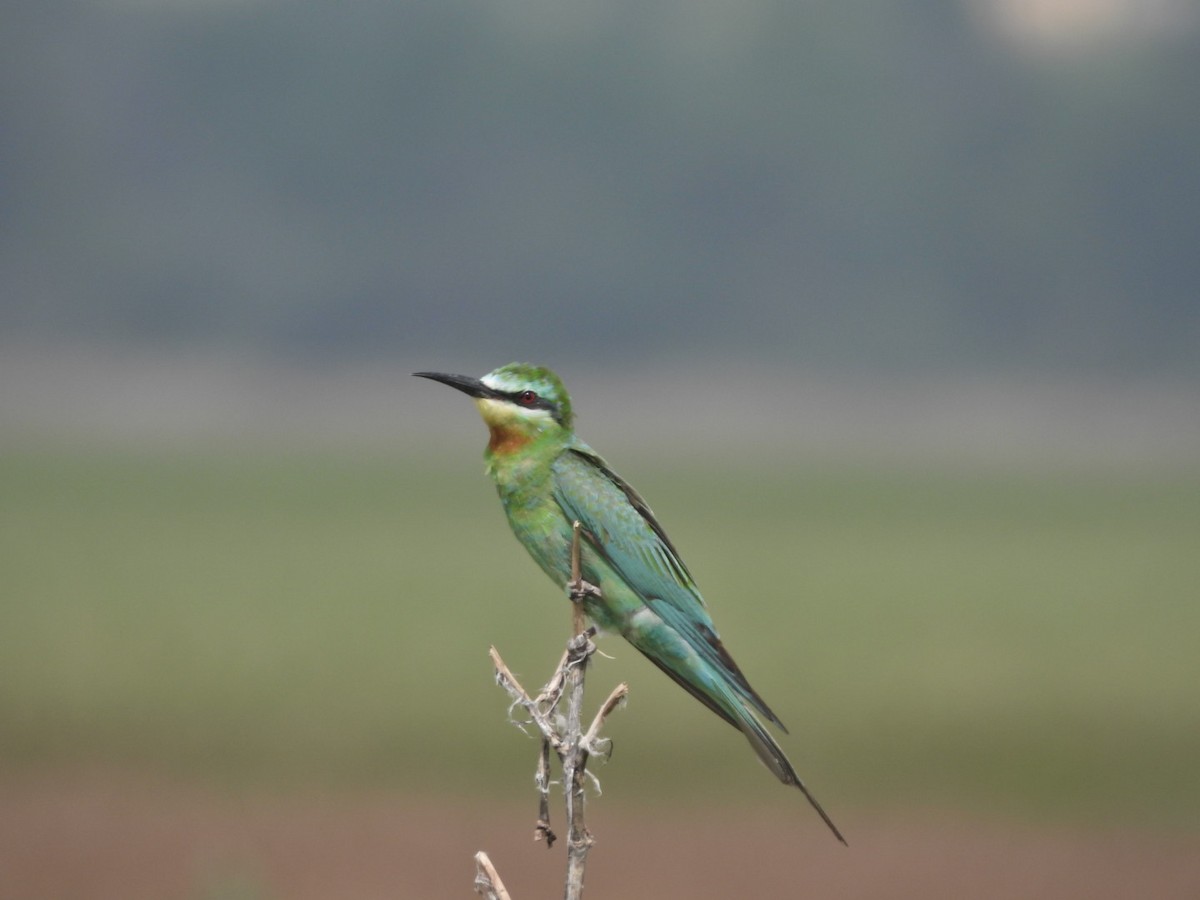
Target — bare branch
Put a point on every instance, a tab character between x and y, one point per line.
615	699
542	831
552	691
578	589
562	734
487	880
574	760
538	713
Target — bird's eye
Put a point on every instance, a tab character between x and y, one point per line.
527	398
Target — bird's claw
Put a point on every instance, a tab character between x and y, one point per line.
581	647
579	591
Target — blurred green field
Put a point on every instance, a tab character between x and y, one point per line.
1013	642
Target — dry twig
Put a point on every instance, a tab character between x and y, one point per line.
487	880
564	735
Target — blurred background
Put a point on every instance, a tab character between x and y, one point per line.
891	311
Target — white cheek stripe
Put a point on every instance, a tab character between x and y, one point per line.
502	412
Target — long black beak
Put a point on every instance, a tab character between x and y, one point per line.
465	383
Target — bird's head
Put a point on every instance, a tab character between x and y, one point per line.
518	402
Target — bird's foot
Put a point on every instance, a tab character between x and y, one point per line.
580	649
580	591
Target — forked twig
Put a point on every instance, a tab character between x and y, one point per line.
562	734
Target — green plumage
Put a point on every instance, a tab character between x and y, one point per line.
547	479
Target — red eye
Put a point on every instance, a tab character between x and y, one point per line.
527	398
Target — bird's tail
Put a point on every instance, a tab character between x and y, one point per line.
725	696
773	758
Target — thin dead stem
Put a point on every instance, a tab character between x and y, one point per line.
487	880
562	734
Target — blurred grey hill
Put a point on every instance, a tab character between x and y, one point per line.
936	187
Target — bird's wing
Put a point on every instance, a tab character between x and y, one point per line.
622	529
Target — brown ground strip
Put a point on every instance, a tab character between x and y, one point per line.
127	837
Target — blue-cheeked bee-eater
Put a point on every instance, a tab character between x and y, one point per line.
548	479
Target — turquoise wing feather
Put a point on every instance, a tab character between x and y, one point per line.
622	529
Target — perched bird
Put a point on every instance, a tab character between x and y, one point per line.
548	479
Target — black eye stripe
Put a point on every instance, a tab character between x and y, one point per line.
539	402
